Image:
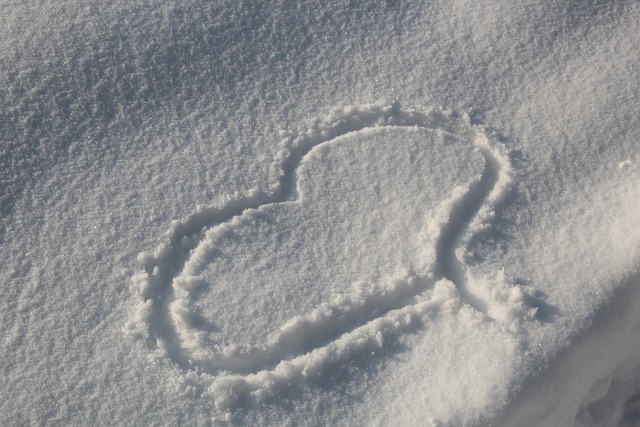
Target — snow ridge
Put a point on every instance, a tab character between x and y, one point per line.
351	324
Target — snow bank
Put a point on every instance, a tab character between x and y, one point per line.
240	212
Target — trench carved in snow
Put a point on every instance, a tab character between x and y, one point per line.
352	322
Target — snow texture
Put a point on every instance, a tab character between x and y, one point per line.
304	213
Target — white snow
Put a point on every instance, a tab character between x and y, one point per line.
303	213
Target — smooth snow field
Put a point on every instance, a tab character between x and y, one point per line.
383	213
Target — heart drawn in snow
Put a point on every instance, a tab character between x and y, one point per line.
358	240
361	206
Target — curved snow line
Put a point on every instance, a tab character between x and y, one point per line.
349	324
348	312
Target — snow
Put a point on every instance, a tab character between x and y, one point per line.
362	213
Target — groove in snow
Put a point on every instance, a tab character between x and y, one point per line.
352	323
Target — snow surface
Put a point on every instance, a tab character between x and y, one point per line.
340	212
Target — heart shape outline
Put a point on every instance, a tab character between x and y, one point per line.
158	322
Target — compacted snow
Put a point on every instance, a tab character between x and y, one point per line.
304	213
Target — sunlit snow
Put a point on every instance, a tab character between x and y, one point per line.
319	213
